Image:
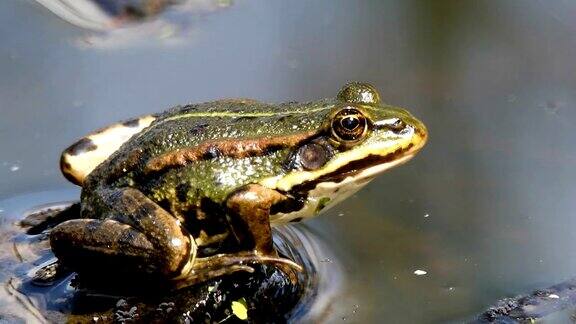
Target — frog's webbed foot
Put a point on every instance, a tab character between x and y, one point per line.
206	268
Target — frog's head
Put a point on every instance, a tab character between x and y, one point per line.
361	138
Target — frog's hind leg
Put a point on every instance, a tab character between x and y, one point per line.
132	227
88	245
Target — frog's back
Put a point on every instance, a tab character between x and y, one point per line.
185	127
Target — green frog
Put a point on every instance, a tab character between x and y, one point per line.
191	194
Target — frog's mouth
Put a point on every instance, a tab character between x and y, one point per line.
326	191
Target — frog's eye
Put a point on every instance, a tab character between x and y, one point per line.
349	125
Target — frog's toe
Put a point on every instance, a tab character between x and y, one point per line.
202	269
282	263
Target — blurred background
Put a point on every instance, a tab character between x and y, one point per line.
486	209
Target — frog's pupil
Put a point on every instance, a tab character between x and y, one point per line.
350	122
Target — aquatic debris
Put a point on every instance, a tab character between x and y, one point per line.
420	272
11	166
536	306
240	309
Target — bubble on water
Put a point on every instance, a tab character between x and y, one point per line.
426	215
14	168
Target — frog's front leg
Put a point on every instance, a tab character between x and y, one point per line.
250	210
133	234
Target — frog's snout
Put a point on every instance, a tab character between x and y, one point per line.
420	133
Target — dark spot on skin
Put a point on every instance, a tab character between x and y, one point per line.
198	129
243	118
82	146
272	148
281	119
132	122
65	165
296	220
211	153
182	191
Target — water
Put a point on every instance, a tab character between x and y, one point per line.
486	209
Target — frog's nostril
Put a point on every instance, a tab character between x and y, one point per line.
397	126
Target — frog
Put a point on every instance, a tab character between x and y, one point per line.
191	194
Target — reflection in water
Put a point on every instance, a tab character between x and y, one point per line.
35	291
122	23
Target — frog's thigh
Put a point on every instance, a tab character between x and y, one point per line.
250	208
82	242
173	244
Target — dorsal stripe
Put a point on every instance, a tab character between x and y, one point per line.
235	148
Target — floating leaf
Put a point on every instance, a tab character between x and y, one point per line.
322	203
240	309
